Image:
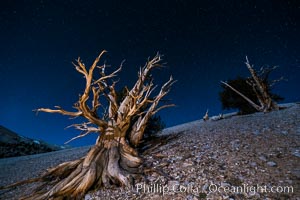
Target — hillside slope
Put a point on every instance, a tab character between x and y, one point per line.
13	144
253	156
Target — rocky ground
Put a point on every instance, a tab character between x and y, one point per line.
240	157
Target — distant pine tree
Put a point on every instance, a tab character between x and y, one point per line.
231	100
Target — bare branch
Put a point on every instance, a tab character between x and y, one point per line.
61	111
140	91
162	107
113	74
254	75
254	105
273	82
139	127
79	136
95	101
85	128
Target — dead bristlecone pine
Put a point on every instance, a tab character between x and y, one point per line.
206	117
261	87
113	159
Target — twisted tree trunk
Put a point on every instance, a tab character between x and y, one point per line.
109	162
112	160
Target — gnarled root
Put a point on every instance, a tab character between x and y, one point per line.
110	163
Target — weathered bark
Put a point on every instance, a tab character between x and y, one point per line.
112	161
261	88
109	162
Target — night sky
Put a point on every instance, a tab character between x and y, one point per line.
203	42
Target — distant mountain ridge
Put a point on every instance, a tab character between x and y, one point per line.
13	144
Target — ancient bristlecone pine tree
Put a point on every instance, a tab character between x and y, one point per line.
261	87
113	159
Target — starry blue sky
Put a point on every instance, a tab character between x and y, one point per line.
203	42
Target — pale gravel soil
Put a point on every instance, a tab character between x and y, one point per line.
25	167
258	149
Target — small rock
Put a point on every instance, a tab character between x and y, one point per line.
156	196
190	197
284	132
272	164
256	132
206	146
87	197
151	178
253	164
178	158
159	155
263	158
187	164
254	195
298	131
266	129
235	145
296	173
214	157
205	187
296	153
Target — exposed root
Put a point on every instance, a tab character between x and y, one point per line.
111	163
